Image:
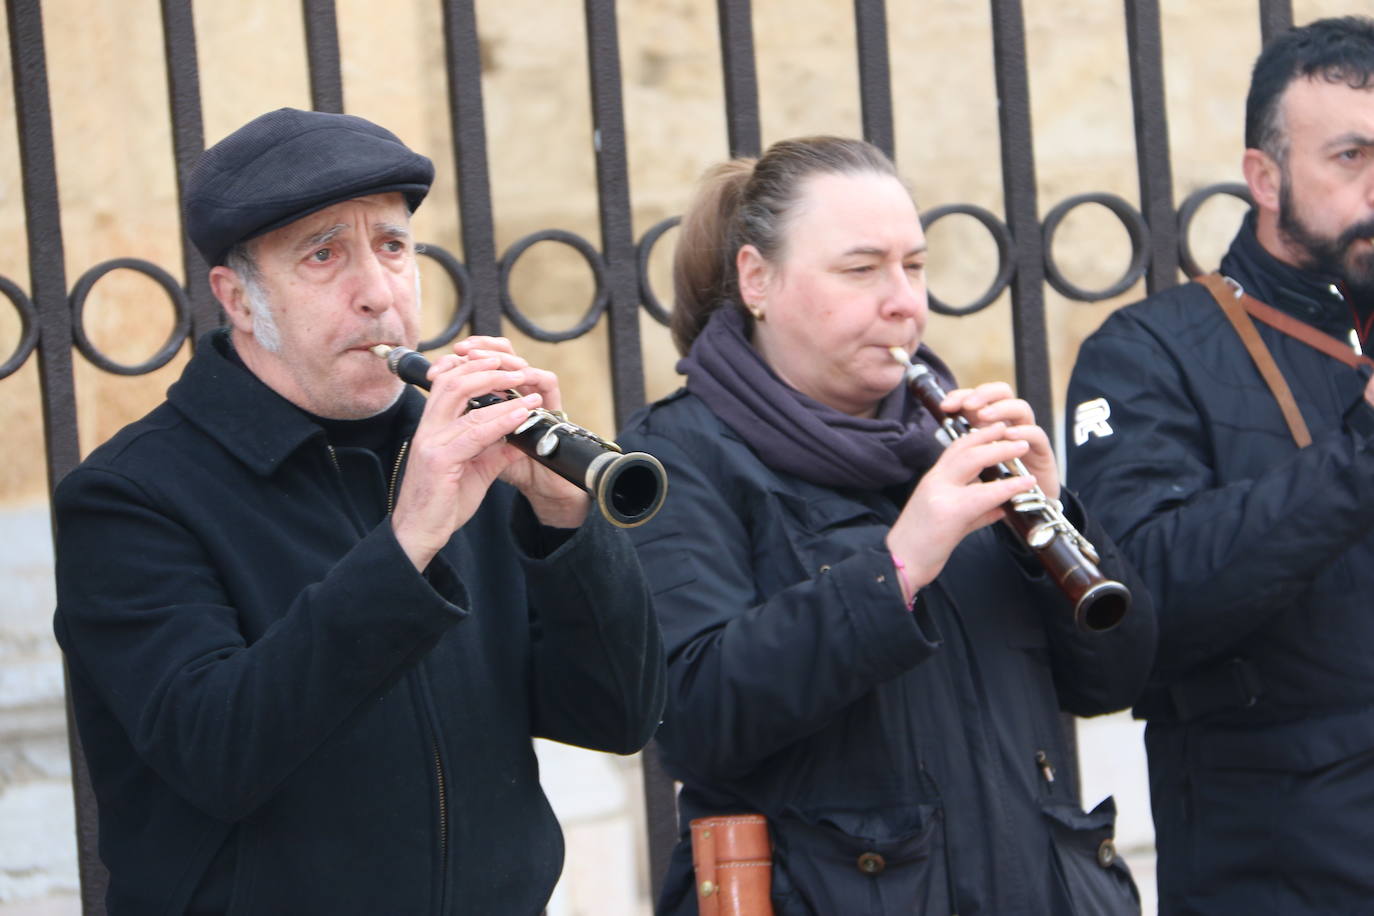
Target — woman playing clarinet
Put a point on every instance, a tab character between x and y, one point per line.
857	653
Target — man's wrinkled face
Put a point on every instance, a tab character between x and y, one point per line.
333	285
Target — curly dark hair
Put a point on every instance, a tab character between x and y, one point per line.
1338	50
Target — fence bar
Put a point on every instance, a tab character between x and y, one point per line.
188	142
468	120
43	221
613	197
322	51
1275	16
627	368
741	77
1030	347
1145	51
48	282
875	73
660	809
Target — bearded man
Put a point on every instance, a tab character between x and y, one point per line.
1245	497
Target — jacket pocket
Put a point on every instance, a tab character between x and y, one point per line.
1092	876
810	535
826	527
842	863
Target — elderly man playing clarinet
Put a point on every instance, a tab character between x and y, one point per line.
312	617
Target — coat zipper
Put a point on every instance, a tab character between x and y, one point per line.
443	816
439	778
1042	760
1355	335
396	476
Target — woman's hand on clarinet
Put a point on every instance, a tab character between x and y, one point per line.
556	502
995	402
951	501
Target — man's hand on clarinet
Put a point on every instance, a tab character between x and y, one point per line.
556	502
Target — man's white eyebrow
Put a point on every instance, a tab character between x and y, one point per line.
323	237
395	230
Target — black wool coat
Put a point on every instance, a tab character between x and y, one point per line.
281	715
1261	559
801	687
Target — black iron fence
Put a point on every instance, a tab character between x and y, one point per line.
51	312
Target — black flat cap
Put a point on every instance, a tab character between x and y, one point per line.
287	164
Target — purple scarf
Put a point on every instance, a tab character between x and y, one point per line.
797	434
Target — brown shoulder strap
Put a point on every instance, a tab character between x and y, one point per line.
1303	331
1228	297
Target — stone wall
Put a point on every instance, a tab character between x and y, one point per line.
117	191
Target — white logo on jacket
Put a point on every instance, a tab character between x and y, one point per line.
1090	419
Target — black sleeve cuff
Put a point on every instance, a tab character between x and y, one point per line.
536	540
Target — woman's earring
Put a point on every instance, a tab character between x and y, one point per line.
755	310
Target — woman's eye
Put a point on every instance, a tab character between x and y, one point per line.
320	255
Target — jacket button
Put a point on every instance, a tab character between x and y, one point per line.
825	568
870	863
1106	852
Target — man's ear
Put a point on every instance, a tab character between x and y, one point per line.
755	275
228	289
1264	177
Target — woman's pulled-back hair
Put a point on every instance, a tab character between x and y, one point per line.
749	202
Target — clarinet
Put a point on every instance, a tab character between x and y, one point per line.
628	488
1099	603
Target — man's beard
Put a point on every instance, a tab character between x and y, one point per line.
1326	255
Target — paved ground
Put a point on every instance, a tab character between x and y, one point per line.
52	906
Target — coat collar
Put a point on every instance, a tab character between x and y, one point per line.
221	397
1309	296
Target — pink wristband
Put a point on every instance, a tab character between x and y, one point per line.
906	583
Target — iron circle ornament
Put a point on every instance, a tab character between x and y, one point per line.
1006	267
652	304
181	307
1136	229
1188	210
28	327
462	314
600	297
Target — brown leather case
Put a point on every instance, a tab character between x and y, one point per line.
733	859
